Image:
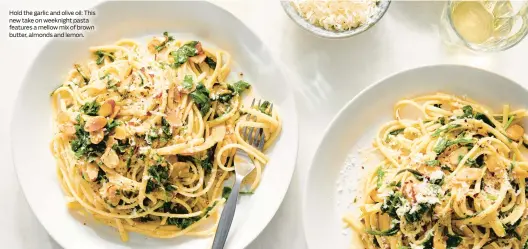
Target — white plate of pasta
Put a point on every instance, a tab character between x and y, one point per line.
428	158
126	138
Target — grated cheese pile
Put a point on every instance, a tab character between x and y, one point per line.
338	15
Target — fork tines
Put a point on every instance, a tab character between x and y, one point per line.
258	139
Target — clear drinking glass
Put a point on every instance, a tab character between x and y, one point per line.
485	25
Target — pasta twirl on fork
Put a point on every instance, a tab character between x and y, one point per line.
453	178
145	136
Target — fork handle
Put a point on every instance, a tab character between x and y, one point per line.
227	216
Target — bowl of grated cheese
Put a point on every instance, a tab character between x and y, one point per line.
335	18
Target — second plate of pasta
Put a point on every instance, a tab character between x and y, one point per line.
436	163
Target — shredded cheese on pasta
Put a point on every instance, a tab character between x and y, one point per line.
457	181
145	136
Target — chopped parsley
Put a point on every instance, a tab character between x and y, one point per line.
392	203
510	229
82	146
236	88
239	87
200	96
166	128
446	168
417	215
440	146
187	83
145	218
207	163
79	70
224	98
101	56
182	158
159	176
163	133
379	176
432	163
468	112
90	108
443	143
394	229
416	173
101	177
446	129
453	241
183	223
484	118
226	192
264	107
428	243
441	120
120	146
396	132
112	124
165	42
208	209
184	52
477	163
210	62
508	123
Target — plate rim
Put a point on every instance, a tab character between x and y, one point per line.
260	227
305	194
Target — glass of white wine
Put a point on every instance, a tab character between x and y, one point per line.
485	25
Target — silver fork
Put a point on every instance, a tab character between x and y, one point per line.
243	166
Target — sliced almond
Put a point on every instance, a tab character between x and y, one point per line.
218	133
174	118
198	58
455	156
91	172
515	132
67	128
107	108
110	158
469	174
97	85
120	133
95	123
493	164
96	136
110	193
198	47
116	111
113	195
63	117
153	44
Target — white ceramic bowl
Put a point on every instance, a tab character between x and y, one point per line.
331	187
381	9
31	127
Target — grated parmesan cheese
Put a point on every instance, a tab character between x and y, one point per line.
437	175
405	208
418	158
426	194
335	15
414	246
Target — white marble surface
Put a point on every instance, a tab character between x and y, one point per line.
324	73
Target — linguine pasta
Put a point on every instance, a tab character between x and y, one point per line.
453	178
144	137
